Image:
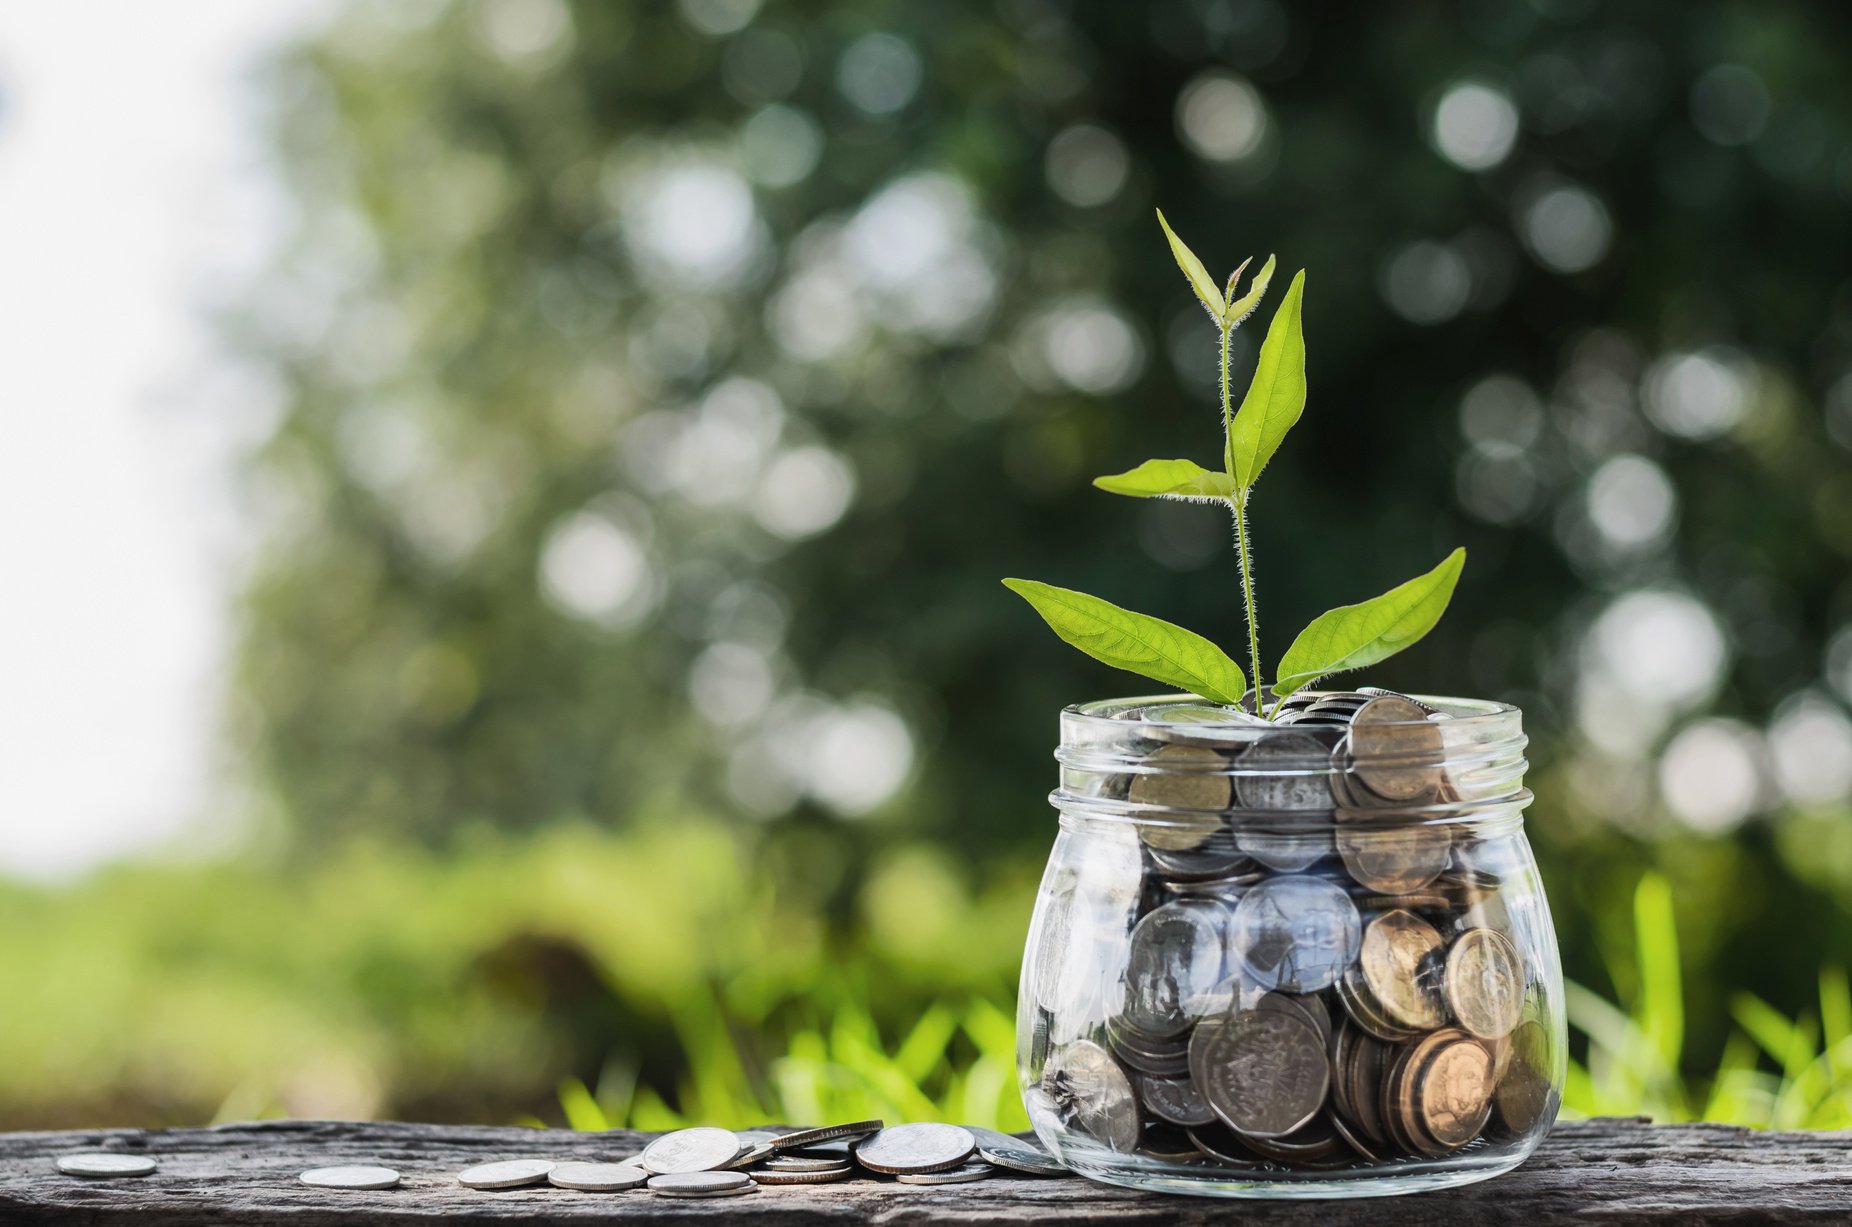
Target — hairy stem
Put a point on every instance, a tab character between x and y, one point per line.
1247	595
1239	503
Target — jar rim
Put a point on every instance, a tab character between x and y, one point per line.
1108	714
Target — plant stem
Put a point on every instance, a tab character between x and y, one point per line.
1239	503
1247	595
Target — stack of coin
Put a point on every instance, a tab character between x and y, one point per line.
1318	973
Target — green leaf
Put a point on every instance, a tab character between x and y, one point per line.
1200	280
1276	398
1357	635
1139	644
1184	479
1235	310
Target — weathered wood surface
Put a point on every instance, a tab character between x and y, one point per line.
1589	1172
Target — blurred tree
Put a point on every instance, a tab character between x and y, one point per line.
667	387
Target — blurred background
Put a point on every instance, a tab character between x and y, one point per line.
501	505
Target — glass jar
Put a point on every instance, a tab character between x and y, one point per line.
1303	958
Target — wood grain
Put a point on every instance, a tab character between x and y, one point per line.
1587	1172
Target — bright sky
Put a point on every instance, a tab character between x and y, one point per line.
132	190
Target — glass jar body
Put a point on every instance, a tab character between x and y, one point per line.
1306	960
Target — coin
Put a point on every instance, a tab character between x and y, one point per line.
1314	1145
756	1137
597	1177
1296	933
1397	750
1525	1092
1367	1012
915	1148
1222	1144
1395	860
1017	1154
1183	779
1282	779
1174	959
842	1171
828	1133
1266	1073
507	1174
1485	983
1156	1056
701	1149
1218	856
1399	966
1307	1008
753	1152
105	1163
1353	1138
963	1174
1379	692
353	1177
1453	1091
1176	1100
803	1163
701	1184
1093	1094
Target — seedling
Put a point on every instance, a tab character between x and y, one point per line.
1349	637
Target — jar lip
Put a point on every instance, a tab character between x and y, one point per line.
1103	715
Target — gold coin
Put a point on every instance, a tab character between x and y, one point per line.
1453	1092
1180	778
1524	1092
1395	860
1398	967
1397	750
1364	1010
1485	983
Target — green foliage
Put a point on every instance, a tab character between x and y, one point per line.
1179	479
1275	398
1341	639
1135	642
1362	634
1634	1054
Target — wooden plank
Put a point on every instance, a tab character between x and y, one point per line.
1588	1172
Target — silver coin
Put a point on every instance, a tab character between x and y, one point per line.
1176	1100
754	1152
356	1177
701	1184
914	1148
105	1163
1017	1154
828	1133
1283	779
1267	1073
1174	961
691	1150
597	1177
954	1175
842	1171
756	1137
1296	933
507	1174
1090	1091
803	1163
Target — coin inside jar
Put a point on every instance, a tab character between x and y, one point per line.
1266	1073
1092	1093
1485	983
1453	1092
1296	933
1399	966
1184	779
1397	750
1173	964
1395	860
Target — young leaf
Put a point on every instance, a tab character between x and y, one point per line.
1137	643
1183	479
1357	635
1200	280
1235	310
1276	397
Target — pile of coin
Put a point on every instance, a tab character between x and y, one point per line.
1319	970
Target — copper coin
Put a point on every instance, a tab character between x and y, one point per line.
1395	860
1399	965
1525	1093
1485	983
1453	1092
